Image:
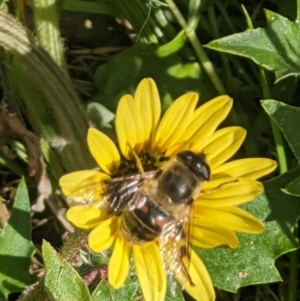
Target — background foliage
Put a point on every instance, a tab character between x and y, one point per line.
53	88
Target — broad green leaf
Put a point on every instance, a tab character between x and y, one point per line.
102	118
174	290
288	120
275	47
173	46
130	291
173	77
253	261
293	188
16	248
99	115
104	291
62	282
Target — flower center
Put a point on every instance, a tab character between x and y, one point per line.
149	163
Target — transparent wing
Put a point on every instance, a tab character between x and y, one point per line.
110	194
176	247
120	191
84	187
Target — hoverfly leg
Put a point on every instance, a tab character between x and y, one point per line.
220	186
137	201
184	252
138	161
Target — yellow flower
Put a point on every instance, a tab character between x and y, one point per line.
216	218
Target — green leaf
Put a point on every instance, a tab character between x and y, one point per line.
101	118
89	7
47	29
173	46
16	248
130	291
293	188
253	261
62	282
124	71
174	290
288	120
275	47
104	291
26	56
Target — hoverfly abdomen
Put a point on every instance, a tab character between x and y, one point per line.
144	223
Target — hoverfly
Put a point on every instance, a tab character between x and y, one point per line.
157	204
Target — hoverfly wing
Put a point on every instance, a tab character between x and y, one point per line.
176	247
110	194
123	192
84	188
120	191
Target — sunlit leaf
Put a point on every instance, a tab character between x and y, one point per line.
105	292
288	120
293	188
275	47
253	261
62	282
16	248
172	76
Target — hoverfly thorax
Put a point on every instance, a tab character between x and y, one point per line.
182	176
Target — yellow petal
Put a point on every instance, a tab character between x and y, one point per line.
103	236
233	218
151	272
223	144
129	127
230	194
104	151
253	168
84	187
148	104
175	121
85	217
206	233
118	267
69	181
204	122
203	288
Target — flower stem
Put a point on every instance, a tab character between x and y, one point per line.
298	10
47	29
293	256
203	58
275	130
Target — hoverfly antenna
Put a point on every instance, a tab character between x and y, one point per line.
191	146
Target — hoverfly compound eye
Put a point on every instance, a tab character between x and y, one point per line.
196	162
204	170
